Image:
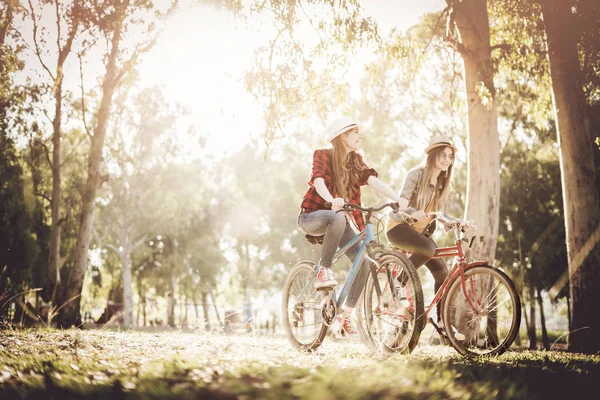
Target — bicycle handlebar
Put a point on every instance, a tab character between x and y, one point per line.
451	222
446	220
351	207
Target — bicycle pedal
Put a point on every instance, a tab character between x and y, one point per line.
327	290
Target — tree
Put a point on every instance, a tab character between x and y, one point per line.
579	176
531	242
125	222
472	40
18	248
69	15
115	19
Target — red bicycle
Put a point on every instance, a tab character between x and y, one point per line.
480	307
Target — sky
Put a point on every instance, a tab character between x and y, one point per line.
203	52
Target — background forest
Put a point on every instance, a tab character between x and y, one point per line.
122	202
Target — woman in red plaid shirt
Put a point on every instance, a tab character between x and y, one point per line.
337	175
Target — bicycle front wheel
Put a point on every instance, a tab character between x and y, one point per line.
481	317
391	314
302	308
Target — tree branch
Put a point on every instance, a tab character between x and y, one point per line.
43	195
37	51
503	46
58	19
139	242
103	178
71	152
87	129
47	116
47	153
310	21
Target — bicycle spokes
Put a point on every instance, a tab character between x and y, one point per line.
484	319
388	314
302	308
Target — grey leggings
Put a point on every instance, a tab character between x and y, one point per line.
422	248
337	233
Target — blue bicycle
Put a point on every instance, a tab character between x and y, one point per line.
390	319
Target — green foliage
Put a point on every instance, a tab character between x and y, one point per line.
19	245
18	249
522	75
529	238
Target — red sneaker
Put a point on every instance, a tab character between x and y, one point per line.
344	320
324	278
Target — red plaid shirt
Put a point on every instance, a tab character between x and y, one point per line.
322	168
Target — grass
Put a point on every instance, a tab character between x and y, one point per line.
99	364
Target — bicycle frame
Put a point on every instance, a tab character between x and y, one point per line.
457	269
367	236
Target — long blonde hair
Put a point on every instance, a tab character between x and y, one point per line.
444	178
345	169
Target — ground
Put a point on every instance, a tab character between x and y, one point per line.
100	364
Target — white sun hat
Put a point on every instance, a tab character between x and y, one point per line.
339	126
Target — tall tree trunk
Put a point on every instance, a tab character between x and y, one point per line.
184	312
545	339
518	342
55	227
569	316
171	301
578	176
483	185
114	302
127	289
212	298
531	327
206	322
142	304
70	314
54	250
144	310
196	311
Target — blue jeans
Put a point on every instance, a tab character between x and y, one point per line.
337	233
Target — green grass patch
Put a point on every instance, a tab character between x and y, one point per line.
75	364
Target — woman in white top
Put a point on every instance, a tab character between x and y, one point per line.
425	189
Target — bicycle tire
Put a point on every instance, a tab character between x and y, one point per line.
487	323
392	322
302	307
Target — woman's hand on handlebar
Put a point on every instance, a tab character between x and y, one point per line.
468	227
337	204
419	215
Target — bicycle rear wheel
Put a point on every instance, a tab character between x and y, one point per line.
485	320
302	308
391	315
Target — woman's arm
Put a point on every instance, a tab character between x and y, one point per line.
322	189
336	203
408	187
383	189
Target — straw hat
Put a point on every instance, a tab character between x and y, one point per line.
439	141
